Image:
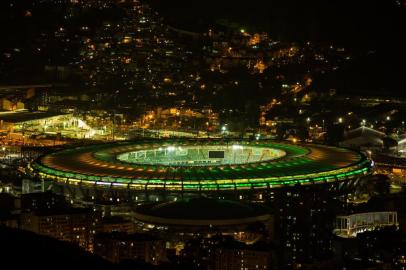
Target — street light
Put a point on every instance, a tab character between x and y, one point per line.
340	120
224	130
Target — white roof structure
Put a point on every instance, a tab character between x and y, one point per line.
402	140
363	136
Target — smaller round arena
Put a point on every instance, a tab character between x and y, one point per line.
201	213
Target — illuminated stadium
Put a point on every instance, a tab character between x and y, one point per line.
133	169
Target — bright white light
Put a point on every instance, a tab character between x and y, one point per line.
402	141
223	128
237	147
81	124
171	148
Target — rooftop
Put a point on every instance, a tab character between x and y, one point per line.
202	208
126	237
63	211
24	116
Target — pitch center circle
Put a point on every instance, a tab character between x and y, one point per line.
206	155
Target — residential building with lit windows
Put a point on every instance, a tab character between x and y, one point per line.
115	224
239	256
118	246
74	225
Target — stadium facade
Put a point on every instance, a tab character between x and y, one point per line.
155	170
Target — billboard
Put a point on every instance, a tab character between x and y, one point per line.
216	154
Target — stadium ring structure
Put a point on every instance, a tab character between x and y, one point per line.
198	166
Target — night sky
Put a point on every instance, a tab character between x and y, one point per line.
374	28
346	22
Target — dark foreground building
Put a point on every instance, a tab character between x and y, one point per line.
117	247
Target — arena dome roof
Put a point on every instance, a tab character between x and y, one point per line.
201	212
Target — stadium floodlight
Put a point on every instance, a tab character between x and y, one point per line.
237	147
